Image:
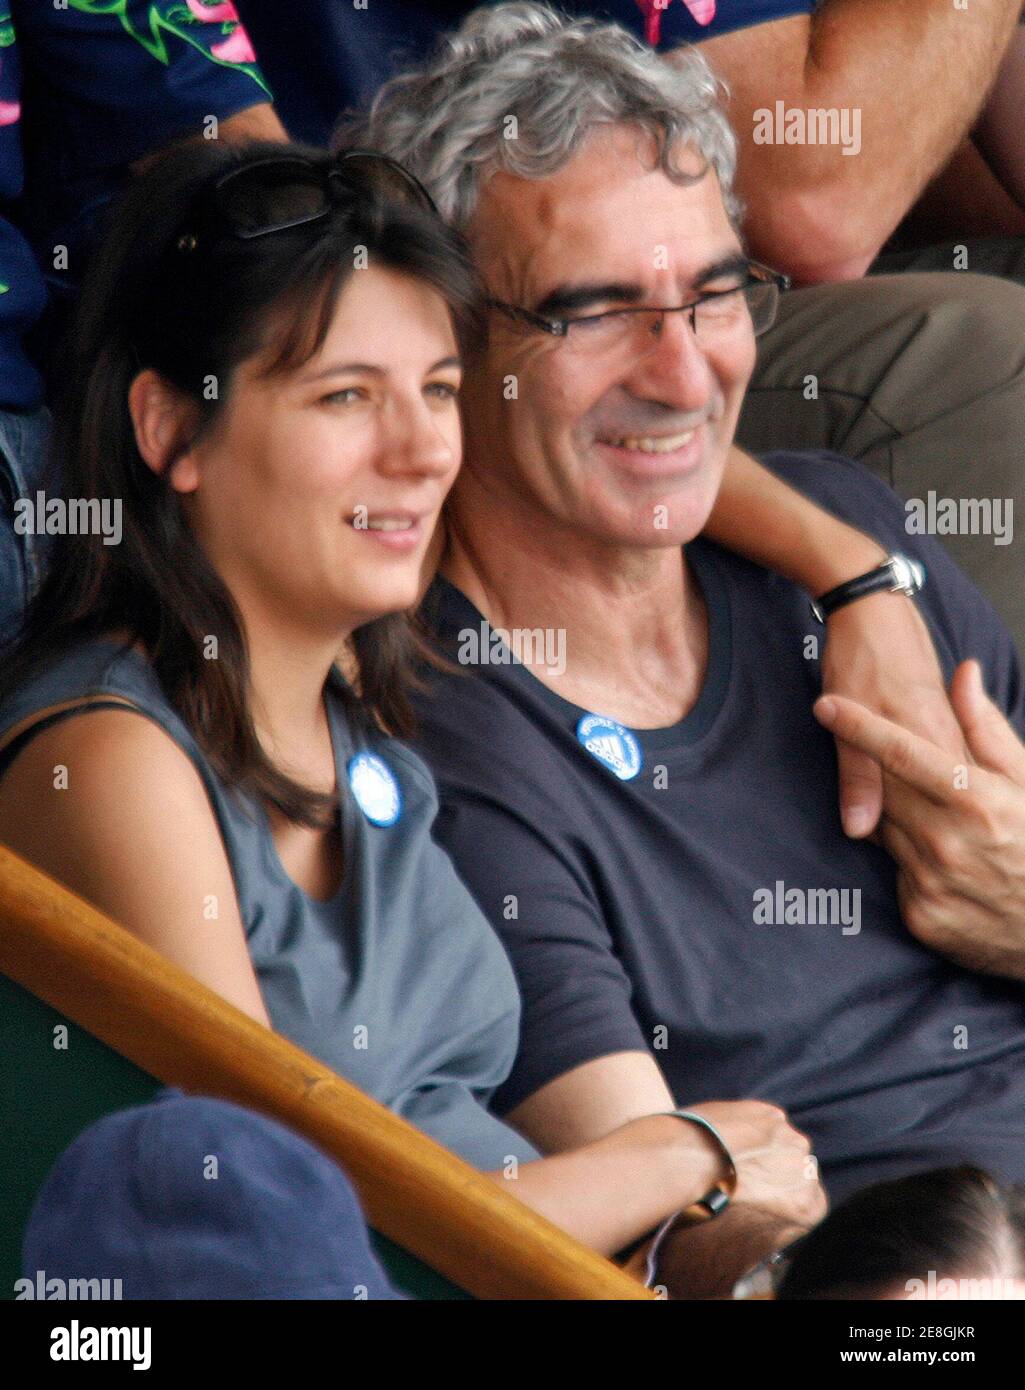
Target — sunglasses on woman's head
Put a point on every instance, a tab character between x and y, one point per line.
283	191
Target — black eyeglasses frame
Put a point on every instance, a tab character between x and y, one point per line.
758	274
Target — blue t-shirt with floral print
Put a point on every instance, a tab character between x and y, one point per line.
86	88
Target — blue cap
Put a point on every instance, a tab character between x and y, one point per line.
134	1198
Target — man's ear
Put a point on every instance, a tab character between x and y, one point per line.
164	420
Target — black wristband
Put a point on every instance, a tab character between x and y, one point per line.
896	575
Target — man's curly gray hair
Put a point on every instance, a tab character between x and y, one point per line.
520	87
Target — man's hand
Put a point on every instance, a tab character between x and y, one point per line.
706	1260
955	826
879	652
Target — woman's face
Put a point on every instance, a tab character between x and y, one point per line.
316	493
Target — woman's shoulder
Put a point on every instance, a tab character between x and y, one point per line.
100	673
86	666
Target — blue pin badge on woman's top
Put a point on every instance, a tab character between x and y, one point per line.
611	744
375	788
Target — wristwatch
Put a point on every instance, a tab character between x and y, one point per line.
706	1208
898	574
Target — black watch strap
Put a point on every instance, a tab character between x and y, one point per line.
896	575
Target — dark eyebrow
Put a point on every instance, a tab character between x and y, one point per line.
735	264
572	298
369	369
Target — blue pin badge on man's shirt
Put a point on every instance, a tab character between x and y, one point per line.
611	744
375	788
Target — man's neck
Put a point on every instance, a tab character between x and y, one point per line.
631	620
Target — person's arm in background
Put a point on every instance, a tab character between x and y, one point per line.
918	73
981	192
255	123
966	199
103	93
1000	133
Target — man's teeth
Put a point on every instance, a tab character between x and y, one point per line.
389	523
659	444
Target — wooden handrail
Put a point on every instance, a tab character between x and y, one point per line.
413	1191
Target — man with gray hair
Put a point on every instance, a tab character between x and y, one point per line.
650	825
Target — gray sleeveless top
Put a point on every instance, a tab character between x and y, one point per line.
398	982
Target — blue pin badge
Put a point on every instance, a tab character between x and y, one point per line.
375	788
611	744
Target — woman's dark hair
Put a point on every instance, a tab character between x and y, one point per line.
958	1222
194	318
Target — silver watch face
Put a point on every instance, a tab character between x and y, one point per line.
908	574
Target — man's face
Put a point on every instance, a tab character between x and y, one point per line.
622	438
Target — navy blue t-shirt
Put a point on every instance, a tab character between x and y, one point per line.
90	89
656	912
325	55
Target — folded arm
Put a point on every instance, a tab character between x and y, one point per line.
913	76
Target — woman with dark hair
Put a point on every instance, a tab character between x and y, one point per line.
263	386
948	1234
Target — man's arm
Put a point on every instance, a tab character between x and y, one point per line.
778	1194
585	1085
917	72
705	1260
965	200
999	132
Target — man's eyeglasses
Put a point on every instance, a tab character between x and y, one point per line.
716	316
282	191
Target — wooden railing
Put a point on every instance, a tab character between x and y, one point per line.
413	1191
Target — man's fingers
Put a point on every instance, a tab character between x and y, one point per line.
900	846
990	738
861	791
904	755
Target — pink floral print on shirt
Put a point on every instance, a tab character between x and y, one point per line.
703	12
236	48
